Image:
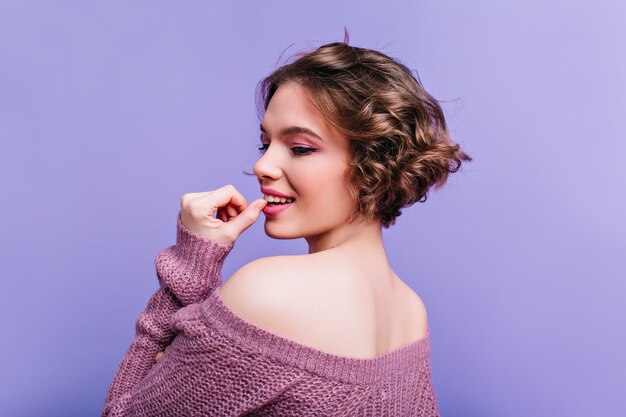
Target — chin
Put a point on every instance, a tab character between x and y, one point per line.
276	231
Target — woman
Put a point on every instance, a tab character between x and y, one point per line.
348	138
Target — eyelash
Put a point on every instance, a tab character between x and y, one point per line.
307	151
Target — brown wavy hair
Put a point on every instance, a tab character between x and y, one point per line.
397	131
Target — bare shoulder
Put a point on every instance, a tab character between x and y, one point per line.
301	298
264	292
417	311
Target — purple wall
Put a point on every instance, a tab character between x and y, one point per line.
111	111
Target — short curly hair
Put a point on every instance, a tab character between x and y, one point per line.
397	131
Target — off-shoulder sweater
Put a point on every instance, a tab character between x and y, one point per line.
218	364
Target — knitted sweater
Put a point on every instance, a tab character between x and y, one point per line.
218	364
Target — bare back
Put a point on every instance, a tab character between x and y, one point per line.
346	309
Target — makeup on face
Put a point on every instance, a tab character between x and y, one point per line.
277	201
276	209
299	166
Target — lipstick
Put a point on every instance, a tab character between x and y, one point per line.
274	210
274	192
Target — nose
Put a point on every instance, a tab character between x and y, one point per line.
268	165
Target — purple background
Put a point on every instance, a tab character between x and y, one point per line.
110	111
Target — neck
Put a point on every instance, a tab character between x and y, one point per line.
359	236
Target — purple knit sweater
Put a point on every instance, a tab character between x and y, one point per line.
220	365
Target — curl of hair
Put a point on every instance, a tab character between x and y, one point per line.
397	131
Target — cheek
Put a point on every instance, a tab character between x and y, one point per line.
322	185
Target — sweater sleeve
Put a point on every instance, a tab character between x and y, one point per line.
205	373
187	272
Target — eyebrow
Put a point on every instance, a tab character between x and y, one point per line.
294	130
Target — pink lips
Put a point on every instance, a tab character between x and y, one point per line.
274	210
274	192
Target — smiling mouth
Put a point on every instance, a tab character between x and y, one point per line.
277	201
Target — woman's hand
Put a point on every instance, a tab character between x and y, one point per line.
233	214
159	355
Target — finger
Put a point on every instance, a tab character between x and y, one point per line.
208	203
247	217
189	197
221	214
232	212
159	356
229	195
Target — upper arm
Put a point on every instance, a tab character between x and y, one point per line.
203	371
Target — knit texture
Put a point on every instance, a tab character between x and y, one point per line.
218	364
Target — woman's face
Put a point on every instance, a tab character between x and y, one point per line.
310	169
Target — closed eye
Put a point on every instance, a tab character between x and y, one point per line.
297	150
301	150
